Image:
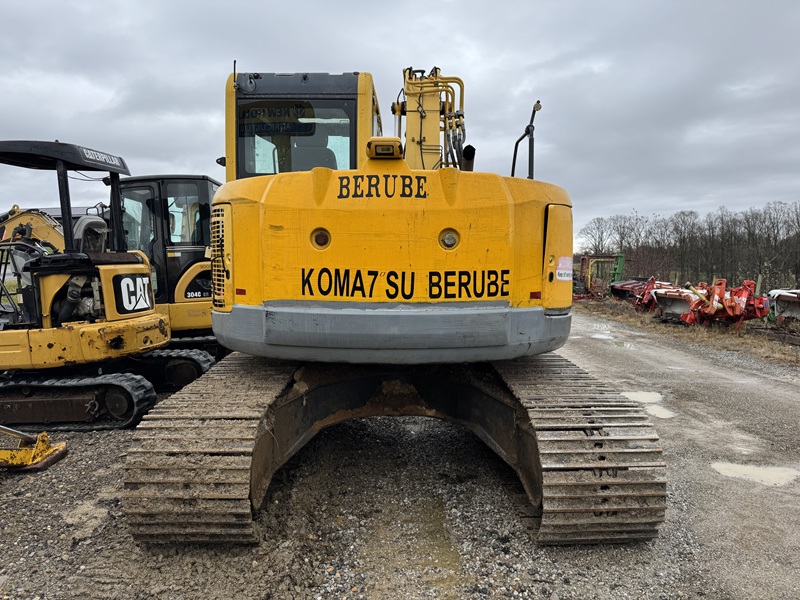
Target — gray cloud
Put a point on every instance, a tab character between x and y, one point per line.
657	107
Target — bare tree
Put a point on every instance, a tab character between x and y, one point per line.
684	246
792	242
598	236
685	226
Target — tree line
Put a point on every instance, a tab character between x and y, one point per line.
686	246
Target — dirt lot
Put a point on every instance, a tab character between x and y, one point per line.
413	508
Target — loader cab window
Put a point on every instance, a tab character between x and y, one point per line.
139	221
188	214
138	218
278	136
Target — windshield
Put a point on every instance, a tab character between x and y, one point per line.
276	136
188	214
138	219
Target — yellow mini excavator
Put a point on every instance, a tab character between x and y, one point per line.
81	341
43	226
168	217
387	277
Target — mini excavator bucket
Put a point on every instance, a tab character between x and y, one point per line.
33	453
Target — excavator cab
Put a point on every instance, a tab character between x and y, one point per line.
298	121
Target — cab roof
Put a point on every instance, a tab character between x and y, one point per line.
45	155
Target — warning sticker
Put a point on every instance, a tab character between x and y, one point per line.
564	268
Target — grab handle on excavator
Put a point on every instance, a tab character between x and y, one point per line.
529	134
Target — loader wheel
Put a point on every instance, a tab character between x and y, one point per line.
119	404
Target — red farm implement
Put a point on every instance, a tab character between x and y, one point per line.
716	303
641	292
704	303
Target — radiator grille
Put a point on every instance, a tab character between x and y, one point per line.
219	273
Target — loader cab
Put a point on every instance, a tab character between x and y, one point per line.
297	122
168	218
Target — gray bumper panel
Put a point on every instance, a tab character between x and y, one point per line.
400	334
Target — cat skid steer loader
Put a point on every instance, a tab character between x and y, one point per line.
80	339
356	275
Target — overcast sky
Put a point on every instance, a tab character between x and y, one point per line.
647	106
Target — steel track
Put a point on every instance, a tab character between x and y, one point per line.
603	474
187	475
198	457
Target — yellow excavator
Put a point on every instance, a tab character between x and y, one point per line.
357	274
82	343
43	227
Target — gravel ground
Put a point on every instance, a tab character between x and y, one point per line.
416	508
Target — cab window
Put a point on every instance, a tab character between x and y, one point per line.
138	219
139	222
278	136
188	218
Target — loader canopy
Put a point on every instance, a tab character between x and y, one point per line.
62	158
45	156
